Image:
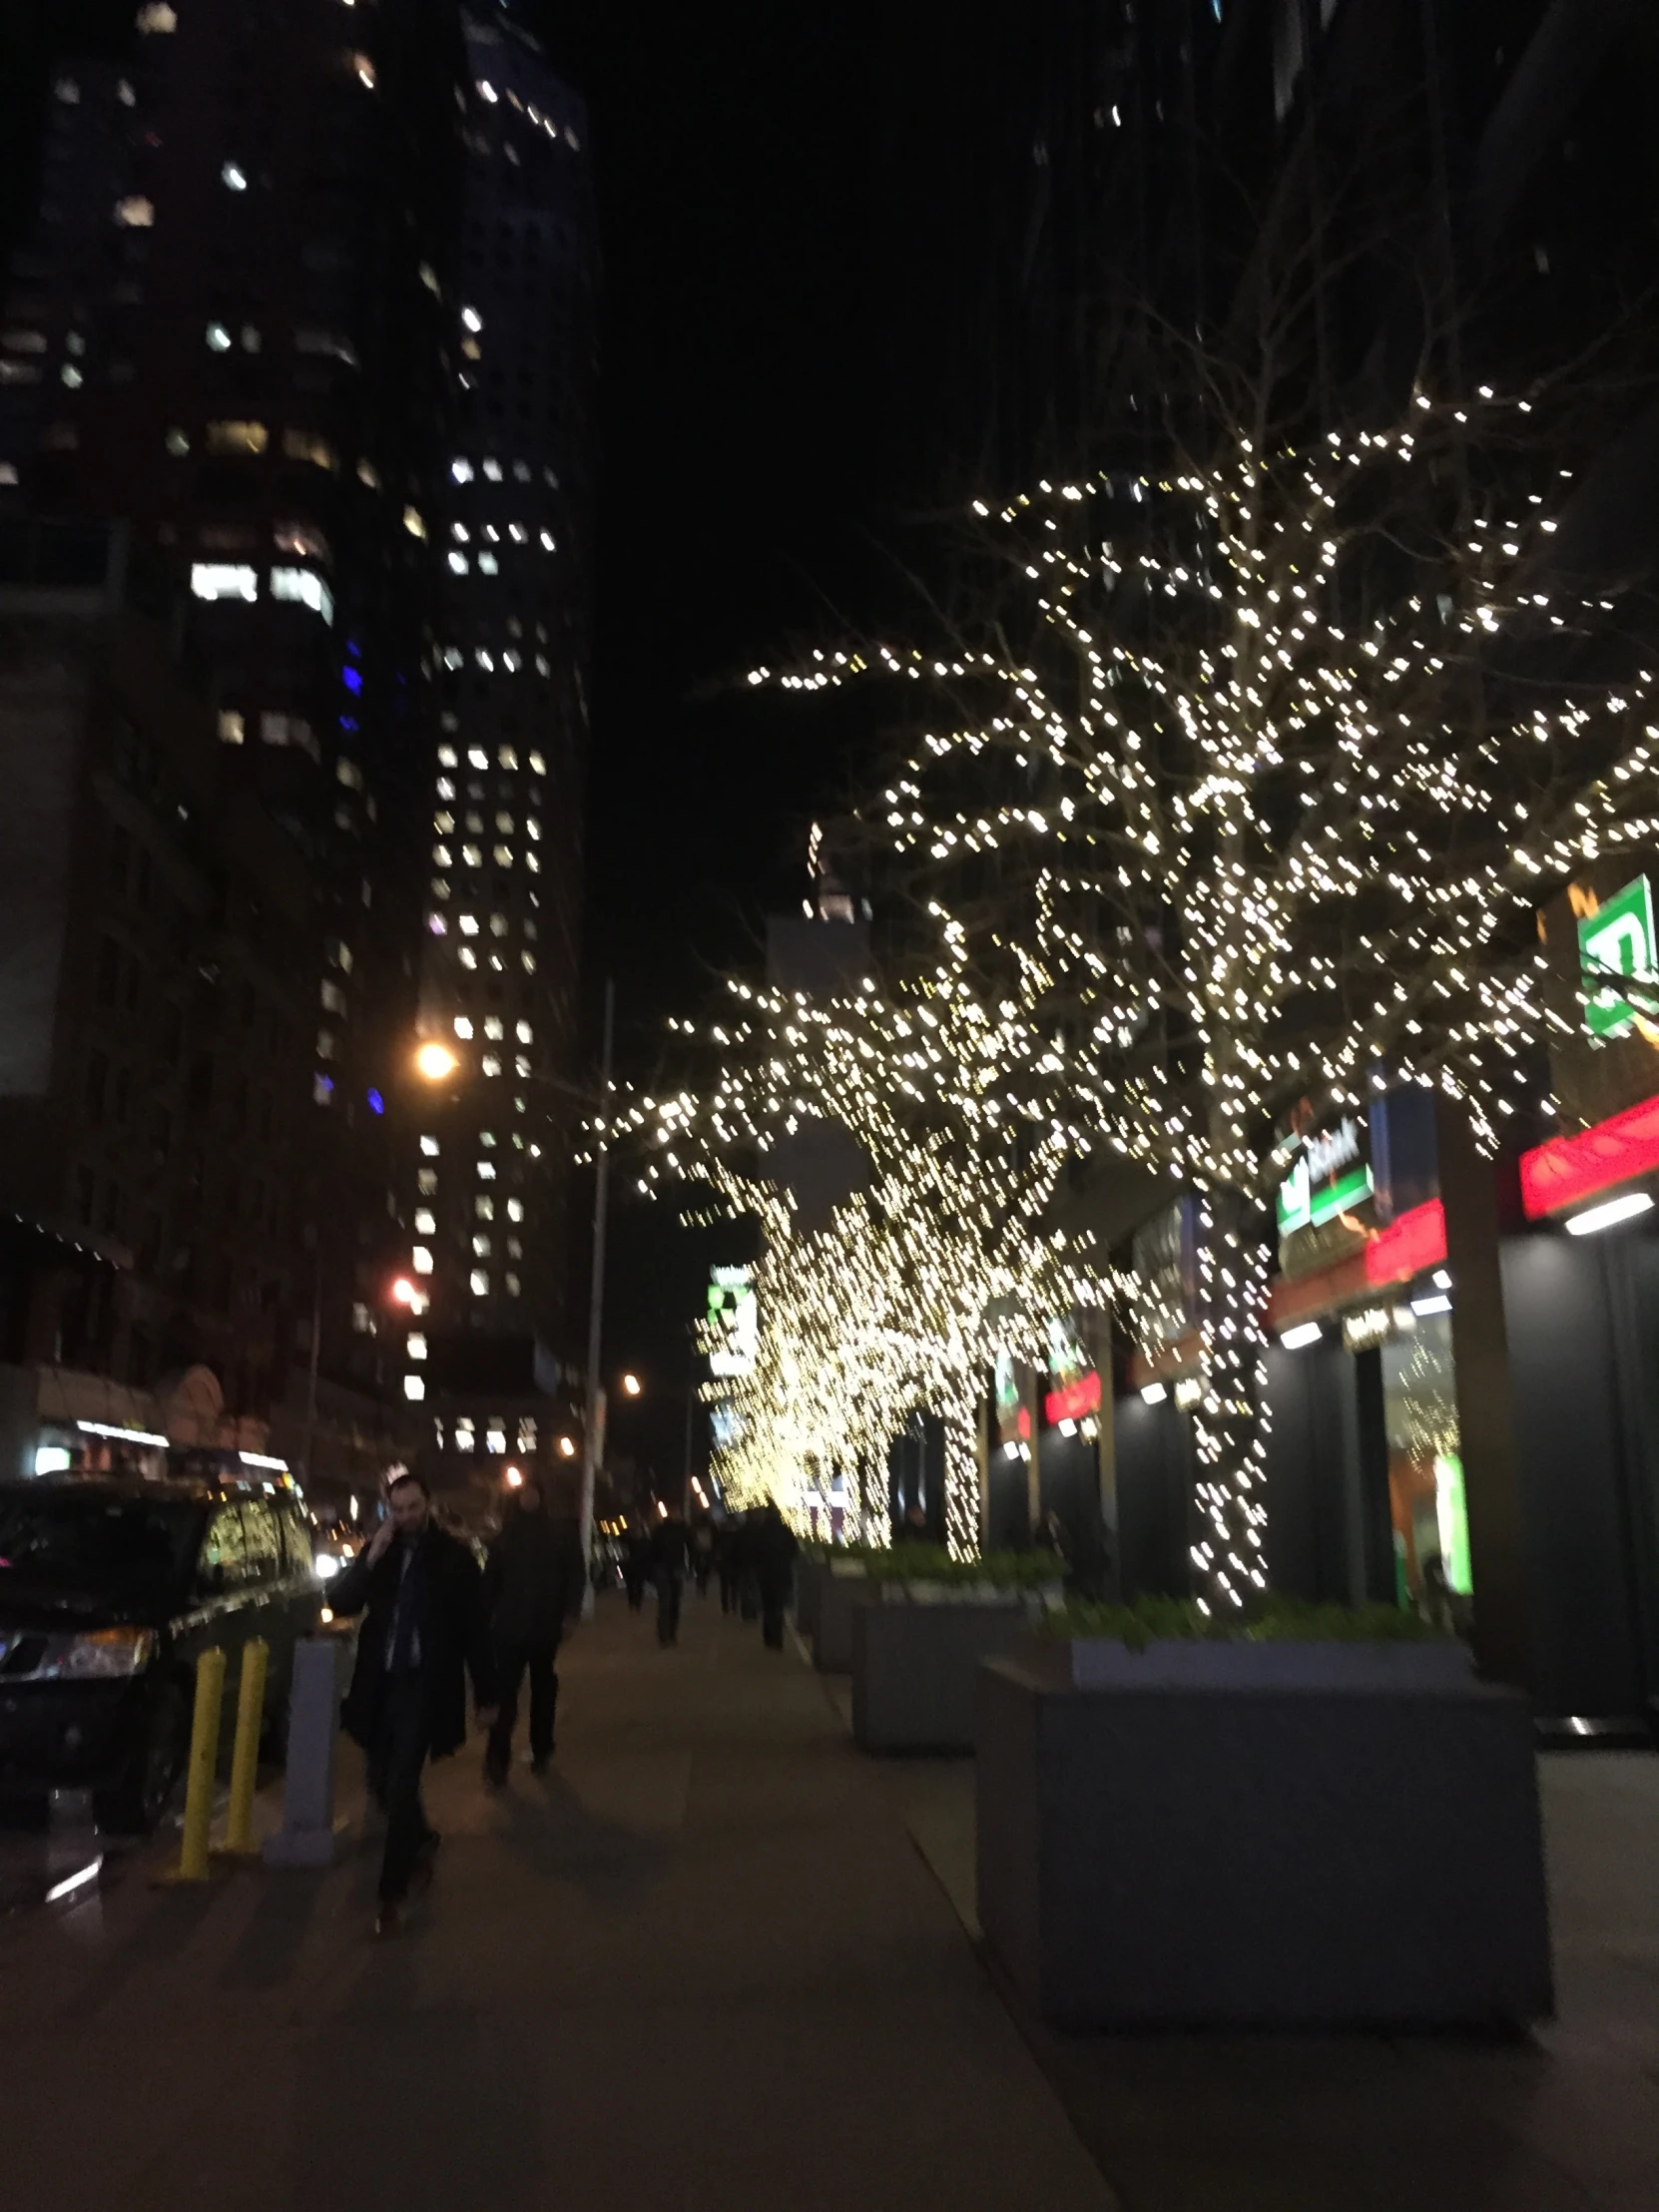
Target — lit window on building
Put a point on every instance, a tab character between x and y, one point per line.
237	437
430	1146
234	177
463	1025
363	70
538	767
524	1033
422	1260
498	925
457	563
490	1064
515	1209
435	923
415	1387
333	998
157	17
484	660
305	588
486	1170
446	759
472	856
515	1251
492	470
469	926
414	522
515	530
488	565
477	757
495	1437
218	338
324	1044
547	541
305	445
461	470
223	580
480	1283
521	1067
427	1181
464	1435
484	1206
416	1346
345	772
425	1224
527	1434
532	864
322	1089
467	957
135	212
503	855
363	1321
529	962
231	728
480	1247
492	1026
512	1285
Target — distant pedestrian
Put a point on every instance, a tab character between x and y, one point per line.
423	1631
703	1555
725	1564
669	1550
532	1585
636	1561
774	1546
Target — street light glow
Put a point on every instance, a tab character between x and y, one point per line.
434	1061
567	1448
631	1386
514	1479
405	1292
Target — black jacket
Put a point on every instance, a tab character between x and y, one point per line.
533	1579
453	1626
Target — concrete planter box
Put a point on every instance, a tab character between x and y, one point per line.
840	1594
915	1664
1261	1836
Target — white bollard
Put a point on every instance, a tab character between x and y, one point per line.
308	1836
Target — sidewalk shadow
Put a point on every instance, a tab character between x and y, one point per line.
560	1839
267	1951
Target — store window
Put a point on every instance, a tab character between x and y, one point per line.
1425	1475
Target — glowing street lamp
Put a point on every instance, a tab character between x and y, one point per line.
513	1478
434	1061
567	1448
405	1292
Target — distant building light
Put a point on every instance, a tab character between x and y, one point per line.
218	338
305	588
471	320
415	1387
234	177
223	580
135	212
377	1104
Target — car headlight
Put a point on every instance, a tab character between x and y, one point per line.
326	1565
98	1655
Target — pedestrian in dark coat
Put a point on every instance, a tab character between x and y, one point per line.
774	1548
532	1587
669	1548
421	1597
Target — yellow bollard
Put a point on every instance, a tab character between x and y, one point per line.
244	1759
204	1763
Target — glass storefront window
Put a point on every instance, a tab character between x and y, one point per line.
1425	1475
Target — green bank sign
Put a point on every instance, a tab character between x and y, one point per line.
1618	959
1330	1174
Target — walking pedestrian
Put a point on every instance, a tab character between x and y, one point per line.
423	1631
703	1555
774	1546
636	1561
532	1586
668	1566
725	1564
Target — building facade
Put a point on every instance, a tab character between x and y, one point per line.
503	891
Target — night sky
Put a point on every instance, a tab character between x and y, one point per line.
803	235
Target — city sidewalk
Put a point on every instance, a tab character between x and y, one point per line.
703	1969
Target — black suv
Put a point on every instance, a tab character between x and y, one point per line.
110	1589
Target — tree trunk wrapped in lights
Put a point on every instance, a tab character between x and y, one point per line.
902	1299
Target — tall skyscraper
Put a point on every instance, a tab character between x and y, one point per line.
304	299
497	982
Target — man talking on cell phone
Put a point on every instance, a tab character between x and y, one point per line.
425	1629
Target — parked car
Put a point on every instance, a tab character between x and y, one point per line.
110	1589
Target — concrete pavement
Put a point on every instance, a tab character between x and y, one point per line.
701	1966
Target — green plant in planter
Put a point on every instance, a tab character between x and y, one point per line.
1272	1619
1000	1570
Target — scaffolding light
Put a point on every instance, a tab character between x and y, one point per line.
1608	1216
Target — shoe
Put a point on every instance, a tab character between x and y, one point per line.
388	1920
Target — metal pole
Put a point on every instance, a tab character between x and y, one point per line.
316	1353
591	1440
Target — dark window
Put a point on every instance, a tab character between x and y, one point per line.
98	1080
144	876
265	1115
86	1187
112	1207
135	986
202	1083
108	970
123	1084
173	1033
